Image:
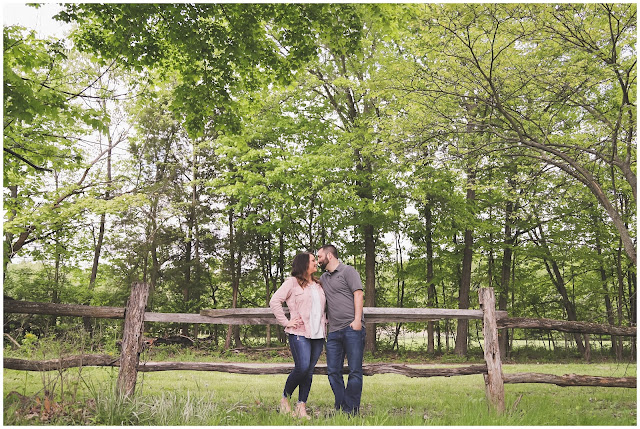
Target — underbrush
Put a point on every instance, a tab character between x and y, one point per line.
79	342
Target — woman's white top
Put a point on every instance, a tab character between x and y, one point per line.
316	327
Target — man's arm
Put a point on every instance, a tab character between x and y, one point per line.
358	303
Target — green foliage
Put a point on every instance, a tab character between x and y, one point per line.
213	50
262	130
39	110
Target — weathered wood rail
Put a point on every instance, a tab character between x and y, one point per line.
236	316
565	326
135	316
263	316
274	369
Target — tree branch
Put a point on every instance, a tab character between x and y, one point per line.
25	160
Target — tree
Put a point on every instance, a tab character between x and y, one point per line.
170	170
41	124
271	181
494	61
342	81
558	84
51	193
494	144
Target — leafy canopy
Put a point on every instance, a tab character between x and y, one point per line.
213	51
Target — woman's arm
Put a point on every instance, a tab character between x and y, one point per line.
276	301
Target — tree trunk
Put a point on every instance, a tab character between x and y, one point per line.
569	306
268	282
55	297
370	279
232	271
236	287
235	267
619	345
264	250
503	335
365	192
191	251
633	287
604	278
465	277
96	253
13	189
447	322
513	298
184	328
281	270
400	288
155	264
558	280
195	199
431	287
103	218
312	244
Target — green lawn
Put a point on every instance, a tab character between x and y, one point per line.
209	398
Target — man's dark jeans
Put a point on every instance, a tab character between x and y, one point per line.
305	354
350	343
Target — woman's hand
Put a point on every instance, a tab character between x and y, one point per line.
295	323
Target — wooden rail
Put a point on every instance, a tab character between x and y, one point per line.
248	368
237	316
570	380
28	307
263	316
566	326
270	369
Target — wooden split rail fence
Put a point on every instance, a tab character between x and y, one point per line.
135	316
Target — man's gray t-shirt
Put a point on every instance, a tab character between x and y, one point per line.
339	287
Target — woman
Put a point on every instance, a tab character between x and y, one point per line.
305	327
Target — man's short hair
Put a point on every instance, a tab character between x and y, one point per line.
331	249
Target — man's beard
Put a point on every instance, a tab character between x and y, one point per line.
323	266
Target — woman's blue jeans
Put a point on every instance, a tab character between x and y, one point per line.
305	354
350	343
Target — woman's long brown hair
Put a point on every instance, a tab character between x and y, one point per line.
299	269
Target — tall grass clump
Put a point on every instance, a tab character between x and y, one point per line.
112	409
167	409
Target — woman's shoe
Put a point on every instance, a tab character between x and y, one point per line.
285	408
301	411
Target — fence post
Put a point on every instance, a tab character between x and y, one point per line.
493	379
132	339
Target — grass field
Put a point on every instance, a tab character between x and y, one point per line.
209	398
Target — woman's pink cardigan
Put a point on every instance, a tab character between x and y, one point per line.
298	301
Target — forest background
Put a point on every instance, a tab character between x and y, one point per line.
441	148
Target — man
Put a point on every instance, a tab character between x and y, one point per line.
343	290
